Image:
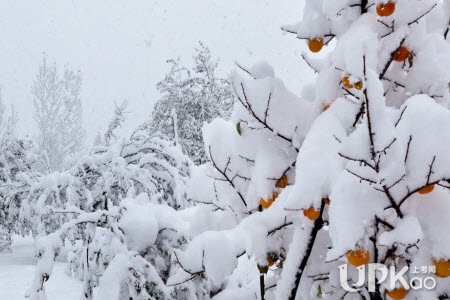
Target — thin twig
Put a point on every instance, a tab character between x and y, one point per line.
250	110
410	193
392	201
279	227
245	70
363	161
309	64
192	273
360	113
317	226
384	223
401	115
387	147
397	182
407	148
420	17
446	31
226	177
361	178
267	107
430	171
386	67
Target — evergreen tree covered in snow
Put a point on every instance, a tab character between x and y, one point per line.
192	96
370	181
58	113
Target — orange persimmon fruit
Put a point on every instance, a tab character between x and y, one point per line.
268	203
426	190
402	54
282	182
358	257
385	10
397	294
442	268
311	213
315	45
346	82
271	258
358	85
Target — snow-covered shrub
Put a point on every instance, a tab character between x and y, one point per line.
16	156
128	251
192	96
144	164
371	174
87	203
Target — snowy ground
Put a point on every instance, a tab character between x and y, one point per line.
17	269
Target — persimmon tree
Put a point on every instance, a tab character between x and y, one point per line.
368	177
251	163
385	165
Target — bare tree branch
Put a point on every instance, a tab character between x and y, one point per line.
401	115
226	177
430	171
386	67
363	161
421	16
361	178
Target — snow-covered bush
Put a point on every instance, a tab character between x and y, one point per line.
87	203
192	96
144	164
16	156
371	174
128	251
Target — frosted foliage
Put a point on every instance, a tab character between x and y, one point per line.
251	160
128	251
58	114
191	97
117	121
8	122
87	207
16	157
144	165
364	156
285	187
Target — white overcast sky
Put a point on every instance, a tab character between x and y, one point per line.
121	46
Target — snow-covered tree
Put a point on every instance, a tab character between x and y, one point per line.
192	96
7	123
117	121
252	160
16	156
58	113
88	203
370	181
